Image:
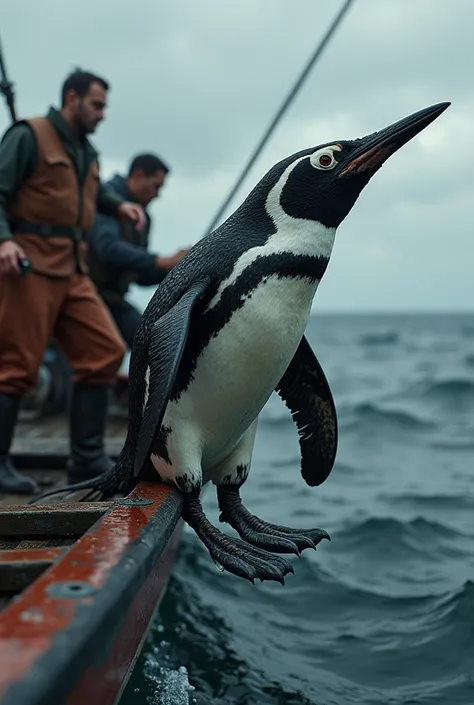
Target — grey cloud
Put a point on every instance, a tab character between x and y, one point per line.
199	82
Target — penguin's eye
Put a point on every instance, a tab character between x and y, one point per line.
323	160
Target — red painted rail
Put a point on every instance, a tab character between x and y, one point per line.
73	635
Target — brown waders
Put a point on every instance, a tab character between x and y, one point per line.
33	309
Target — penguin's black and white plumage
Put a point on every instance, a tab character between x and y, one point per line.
226	328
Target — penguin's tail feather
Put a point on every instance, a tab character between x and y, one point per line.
118	479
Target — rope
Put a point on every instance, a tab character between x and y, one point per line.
6	87
285	105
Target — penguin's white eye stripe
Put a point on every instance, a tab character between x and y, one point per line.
324	158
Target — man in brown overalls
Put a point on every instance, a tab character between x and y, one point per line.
50	190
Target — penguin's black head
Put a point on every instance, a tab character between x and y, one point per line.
324	182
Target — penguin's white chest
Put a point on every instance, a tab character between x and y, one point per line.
240	367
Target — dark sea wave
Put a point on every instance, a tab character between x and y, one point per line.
467	331
451	391
413	535
388	338
384	613
457	501
469	359
368	414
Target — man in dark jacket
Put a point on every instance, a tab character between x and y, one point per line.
118	254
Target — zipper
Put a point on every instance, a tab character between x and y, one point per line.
80	207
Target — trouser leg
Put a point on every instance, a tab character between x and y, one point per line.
94	348
27	310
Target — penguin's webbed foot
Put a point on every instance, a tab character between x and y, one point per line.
233	555
270	537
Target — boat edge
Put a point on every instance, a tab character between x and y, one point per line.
54	673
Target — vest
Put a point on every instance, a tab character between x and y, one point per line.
51	211
111	284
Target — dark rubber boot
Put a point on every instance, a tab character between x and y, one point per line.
11	481
88	416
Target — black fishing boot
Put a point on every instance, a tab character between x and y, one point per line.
11	481
87	419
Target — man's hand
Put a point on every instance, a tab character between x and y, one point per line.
134	212
170	262
10	253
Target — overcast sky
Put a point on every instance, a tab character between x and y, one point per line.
199	81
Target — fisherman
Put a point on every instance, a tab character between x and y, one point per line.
118	253
50	189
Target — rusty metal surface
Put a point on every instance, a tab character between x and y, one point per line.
103	683
71	622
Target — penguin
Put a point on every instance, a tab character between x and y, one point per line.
226	329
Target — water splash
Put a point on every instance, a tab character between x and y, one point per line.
170	686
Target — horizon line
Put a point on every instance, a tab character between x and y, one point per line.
392	312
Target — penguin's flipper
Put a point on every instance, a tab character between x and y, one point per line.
167	340
306	392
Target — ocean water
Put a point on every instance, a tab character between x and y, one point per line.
384	613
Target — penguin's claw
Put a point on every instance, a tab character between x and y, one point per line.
271	537
234	555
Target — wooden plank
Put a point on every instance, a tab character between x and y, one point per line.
39	461
49	461
18	568
26	555
9	499
50	520
50	435
47	479
44	542
36	461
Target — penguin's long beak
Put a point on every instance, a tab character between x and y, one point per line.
373	150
